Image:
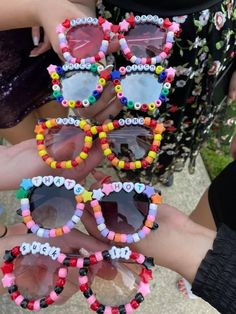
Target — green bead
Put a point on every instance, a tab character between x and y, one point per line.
94	68
56	93
21	193
130	104
92	99
165	91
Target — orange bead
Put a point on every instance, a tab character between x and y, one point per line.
88	144
105	128
49	160
79	160
59	232
63	164
159	128
97	209
157	199
157	143
79	199
149	160
41	147
147	121
53	122
115	161
87	127
27	219
132	165
105	146
117	237
149	224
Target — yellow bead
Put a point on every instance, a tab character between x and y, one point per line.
151	106
53	164
48	124
88	139
138	164
152	154
118	88
39	137
102	81
42	152
110	126
159	69
54	76
71	104
68	164
121	164
93	130
157	137
107	152
83	155
102	135
82	124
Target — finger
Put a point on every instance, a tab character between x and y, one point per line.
112	110
42	48
232	88
35	31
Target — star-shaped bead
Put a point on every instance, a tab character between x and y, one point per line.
124	26
87	196
106	26
107	188
174	27
144	288
8	280
149	191
97	194
51	68
146	275
170	72
60	29
38	129
26	184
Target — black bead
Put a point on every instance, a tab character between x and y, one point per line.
86	262
66	262
149	262
106	255
24	303
88	293
155	226
12	289
139	297
83	271
101	309
122	309
43	303
8	256
58	290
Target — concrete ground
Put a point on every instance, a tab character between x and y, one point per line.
165	298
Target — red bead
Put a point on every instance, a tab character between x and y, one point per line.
65	49
99	128
40	142
30	305
116	124
43	125
78	104
84	287
127	165
120	36
95	306
48	300
66	23
144	164
154	148
74	163
116	82
115	310
144	107
167	23
73	262
78	60
45	157
115	28
85	150
111	157
88	133
55	82
149	61
167	50
105	74
97	58
153	123
134	255
92	260
14	295
7	268
131	20
146	275
106	37
103	141
128	55
61	282
58	165
101	20
134	304
15	251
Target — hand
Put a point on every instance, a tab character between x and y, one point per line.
232	88
233	147
41	47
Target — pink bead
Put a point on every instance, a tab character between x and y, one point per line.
52	233
37	305
120	95
168	45
143	60
94	203
80	263
92	60
64	103
140	259
63	45
146	230
126	51
80	206
101	54
158	103
111	235
99	256
98	214
144	288
61	258
19	299
129	309
122	70
73	60
83	280
25	212
30	224
53	296
91	299
62	273
151	218
99	88
108	310
163	55
66	229
8	280
123	238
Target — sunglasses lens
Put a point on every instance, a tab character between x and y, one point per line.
84	41
115	282
64	142
52	206
130	143
35	275
125	212
78	85
141	87
146	40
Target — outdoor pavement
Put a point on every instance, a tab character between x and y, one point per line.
165	298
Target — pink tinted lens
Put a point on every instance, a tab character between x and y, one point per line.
146	40
125	212
84	41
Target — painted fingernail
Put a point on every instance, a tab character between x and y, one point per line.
36	40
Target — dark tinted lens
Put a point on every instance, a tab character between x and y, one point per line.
125	212
51	206
84	41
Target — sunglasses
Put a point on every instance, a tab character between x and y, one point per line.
84	265
46	128
124	212
141	39
138	87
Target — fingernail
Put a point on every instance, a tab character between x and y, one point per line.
84	252
106	180
36	40
33	56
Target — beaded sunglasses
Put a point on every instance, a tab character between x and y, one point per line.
138	87
84	265
142	39
124	212
90	132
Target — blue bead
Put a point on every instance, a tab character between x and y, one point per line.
35	228
162	98
163	75
100	220
130	238
124	101
115	75
104	232
60	70
96	94
141	234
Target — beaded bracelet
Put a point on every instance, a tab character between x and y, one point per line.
120	30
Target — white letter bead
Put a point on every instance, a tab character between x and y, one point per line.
24	201
35	247
75	219
59	120
54	253
128	121
141	121
101	227
121	122
25	248
153	206
45	249
40	232
136	237
125	253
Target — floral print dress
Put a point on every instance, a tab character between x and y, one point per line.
202	52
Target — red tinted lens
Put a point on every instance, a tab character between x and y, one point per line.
124	212
84	41
146	40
